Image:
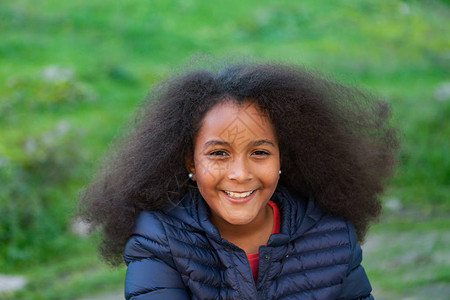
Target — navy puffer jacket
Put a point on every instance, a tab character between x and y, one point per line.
179	254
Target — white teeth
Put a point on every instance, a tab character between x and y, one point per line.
238	195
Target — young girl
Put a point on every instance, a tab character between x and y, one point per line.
252	182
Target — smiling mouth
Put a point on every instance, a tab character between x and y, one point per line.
239	195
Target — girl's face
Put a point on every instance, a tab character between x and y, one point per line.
236	162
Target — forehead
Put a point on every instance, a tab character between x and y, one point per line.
228	121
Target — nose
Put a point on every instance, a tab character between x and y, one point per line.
239	170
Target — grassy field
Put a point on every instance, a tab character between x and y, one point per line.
71	73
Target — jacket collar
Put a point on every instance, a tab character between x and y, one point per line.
298	215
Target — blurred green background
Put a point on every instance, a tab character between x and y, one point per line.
71	73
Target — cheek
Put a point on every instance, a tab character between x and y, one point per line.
272	178
205	175
204	170
270	171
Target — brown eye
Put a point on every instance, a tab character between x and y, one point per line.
218	153
261	153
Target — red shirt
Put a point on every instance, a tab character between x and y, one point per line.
253	258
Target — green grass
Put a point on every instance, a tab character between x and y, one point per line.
73	272
117	49
401	56
408	254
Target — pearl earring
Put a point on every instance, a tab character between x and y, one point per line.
190	175
279	172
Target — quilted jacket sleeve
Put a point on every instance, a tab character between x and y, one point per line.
151	274
356	285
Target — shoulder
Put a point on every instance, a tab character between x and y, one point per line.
314	220
302	216
315	228
149	236
329	236
151	272
158	234
335	230
338	235
159	224
335	226
325	254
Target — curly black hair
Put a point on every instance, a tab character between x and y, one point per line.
336	143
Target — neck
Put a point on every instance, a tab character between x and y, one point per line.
249	236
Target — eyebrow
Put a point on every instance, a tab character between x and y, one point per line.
223	143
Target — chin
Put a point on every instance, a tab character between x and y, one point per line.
239	220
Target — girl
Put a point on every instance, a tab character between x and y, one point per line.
252	182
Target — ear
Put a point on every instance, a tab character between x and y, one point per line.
190	165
